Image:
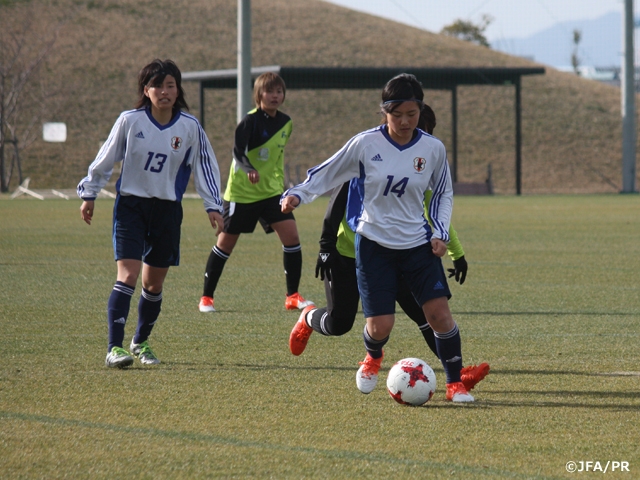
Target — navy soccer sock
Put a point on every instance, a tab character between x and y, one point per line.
429	337
215	265
450	353
292	259
117	313
148	310
374	347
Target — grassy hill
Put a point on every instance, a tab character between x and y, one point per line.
571	126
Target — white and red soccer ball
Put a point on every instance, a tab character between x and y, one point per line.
411	382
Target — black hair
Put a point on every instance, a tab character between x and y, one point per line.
154	74
427	121
401	88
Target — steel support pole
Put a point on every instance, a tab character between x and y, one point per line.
244	58
628	103
518	139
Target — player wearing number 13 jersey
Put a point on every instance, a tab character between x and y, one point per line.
395	164
159	146
157	160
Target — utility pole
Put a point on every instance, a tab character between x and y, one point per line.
628	103
244	59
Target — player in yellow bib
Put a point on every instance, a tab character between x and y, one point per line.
256	181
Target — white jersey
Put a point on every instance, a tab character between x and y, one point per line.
392	181
157	160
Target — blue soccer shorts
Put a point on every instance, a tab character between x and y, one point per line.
147	229
379	268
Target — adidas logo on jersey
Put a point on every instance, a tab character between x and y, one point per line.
139	135
438	286
377	158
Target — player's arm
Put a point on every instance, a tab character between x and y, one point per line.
101	169
333	216
329	236
206	178
240	146
341	167
454	247
455	251
441	204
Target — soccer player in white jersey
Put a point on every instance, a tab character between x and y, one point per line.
336	266
159	146
396	163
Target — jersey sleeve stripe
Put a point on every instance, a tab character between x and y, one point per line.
205	159
436	202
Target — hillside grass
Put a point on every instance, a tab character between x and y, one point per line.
571	126
551	302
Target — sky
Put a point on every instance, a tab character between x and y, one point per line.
511	18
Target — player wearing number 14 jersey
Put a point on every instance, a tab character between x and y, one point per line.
395	165
392	181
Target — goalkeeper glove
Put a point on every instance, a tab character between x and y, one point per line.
459	270
326	257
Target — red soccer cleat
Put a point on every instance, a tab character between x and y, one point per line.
300	333
296	302
457	393
206	305
473	374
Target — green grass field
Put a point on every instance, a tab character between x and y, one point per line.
552	302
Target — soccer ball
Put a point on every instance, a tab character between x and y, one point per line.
411	382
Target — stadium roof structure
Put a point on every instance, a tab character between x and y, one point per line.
434	78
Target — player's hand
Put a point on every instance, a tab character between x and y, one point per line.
289	203
254	176
324	263
217	222
459	270
86	211
439	247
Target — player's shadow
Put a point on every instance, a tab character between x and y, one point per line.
253	366
510	371
315	367
549	313
486	397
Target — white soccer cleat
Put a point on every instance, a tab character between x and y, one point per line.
206	305
144	353
367	376
118	358
457	393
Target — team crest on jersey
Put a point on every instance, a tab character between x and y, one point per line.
176	143
263	154
419	164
